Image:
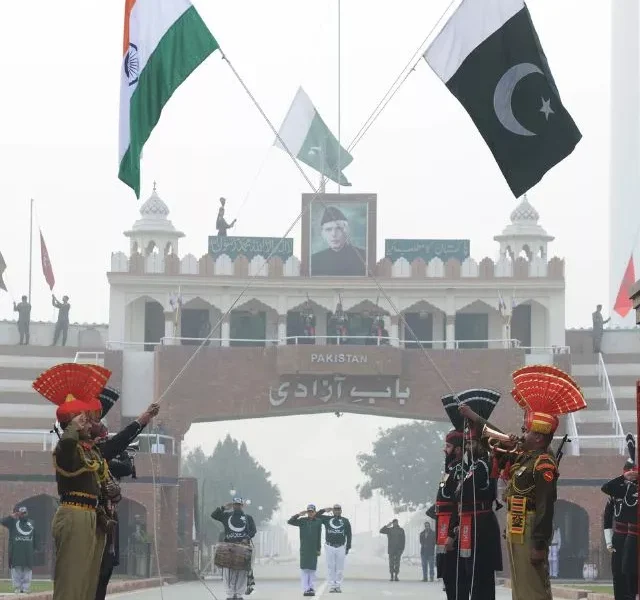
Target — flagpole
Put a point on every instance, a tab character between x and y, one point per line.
30	245
339	97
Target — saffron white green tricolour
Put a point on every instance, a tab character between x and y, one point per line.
164	42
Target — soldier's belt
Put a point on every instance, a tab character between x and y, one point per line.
444	508
477	507
621	528
79	500
633	529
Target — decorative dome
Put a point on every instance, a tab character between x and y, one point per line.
524	233
154	206
153	222
524	213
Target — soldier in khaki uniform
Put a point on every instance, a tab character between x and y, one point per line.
544	392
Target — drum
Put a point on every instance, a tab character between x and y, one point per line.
233	556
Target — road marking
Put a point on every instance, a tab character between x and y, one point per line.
322	590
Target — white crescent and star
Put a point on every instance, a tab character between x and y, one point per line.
238	529
503	94
22	531
333	524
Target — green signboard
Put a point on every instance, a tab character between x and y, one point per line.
427	249
234	246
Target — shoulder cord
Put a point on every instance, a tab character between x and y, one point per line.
90	466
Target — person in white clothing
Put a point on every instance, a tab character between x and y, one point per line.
337	545
554	553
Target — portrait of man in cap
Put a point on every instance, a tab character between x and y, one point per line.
334	251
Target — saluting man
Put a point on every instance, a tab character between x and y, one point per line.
310	538
21	548
337	545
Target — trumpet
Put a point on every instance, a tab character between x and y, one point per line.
501	442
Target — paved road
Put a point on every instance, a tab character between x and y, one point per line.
273	589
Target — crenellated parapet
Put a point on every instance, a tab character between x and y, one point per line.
242	267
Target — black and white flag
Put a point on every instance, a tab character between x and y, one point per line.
489	56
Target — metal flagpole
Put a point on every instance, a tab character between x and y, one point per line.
30	245
339	98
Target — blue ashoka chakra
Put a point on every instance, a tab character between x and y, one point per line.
131	64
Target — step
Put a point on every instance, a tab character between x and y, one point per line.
613	370
600	403
619	391
609	359
615	381
604	416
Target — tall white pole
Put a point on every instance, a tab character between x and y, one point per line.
30	245
339	95
624	204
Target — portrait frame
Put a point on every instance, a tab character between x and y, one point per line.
360	208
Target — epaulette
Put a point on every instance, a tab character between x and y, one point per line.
546	464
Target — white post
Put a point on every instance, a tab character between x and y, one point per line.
225	331
282	330
450	332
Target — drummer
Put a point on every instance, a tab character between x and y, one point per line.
239	528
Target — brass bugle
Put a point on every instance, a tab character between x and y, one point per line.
497	441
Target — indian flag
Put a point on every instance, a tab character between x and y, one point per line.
164	42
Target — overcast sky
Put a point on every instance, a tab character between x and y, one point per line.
434	176
432	172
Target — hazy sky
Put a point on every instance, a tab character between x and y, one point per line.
433	173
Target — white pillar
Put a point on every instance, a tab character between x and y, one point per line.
225	331
282	330
170	328
394	331
450	331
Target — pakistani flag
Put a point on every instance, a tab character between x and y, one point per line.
489	56
308	138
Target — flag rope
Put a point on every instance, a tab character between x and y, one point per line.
411	66
364	129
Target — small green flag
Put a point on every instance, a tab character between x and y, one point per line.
309	139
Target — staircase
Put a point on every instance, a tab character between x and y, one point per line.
609	386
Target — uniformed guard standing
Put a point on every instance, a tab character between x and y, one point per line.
446	550
623	491
478	531
544	392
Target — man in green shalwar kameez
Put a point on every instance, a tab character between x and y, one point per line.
310	540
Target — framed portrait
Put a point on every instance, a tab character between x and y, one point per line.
338	234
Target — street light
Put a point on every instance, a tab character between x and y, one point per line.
247	502
232	492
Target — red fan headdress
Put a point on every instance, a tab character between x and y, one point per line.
544	392
73	388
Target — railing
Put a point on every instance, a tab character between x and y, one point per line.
573	435
89	357
603	378
155	443
41	437
349	340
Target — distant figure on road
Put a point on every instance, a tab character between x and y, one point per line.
24	319
598	327
395	546
427	551
21	548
